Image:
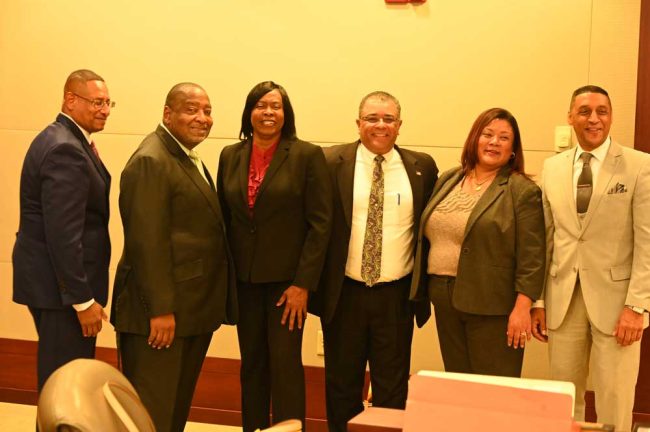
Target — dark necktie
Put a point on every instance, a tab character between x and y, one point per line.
585	184
371	257
93	147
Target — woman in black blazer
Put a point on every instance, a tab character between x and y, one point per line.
482	245
277	202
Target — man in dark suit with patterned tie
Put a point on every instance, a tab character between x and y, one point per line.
175	282
379	193
62	249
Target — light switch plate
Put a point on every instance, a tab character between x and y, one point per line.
562	138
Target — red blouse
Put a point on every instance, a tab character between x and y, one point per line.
260	161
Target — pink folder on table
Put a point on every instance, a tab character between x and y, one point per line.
441	402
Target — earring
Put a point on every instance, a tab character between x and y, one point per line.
512	156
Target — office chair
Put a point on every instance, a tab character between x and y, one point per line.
89	395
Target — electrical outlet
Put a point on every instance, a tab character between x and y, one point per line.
320	346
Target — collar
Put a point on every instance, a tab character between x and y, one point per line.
83	131
599	152
369	157
185	149
267	151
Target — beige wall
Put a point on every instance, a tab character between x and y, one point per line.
446	61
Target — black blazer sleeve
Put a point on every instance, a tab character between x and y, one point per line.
318	217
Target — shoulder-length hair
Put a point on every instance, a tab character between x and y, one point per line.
289	127
469	157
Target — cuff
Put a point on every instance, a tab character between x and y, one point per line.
538	304
83	306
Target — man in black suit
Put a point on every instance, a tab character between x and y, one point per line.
174	284
62	248
379	193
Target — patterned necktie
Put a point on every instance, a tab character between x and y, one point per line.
93	147
585	184
371	257
194	156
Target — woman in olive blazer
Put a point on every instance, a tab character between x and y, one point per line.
483	229
277	202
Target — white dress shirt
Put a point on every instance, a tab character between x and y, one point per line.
397	231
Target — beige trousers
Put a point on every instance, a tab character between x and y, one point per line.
614	369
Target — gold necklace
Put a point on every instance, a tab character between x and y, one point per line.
478	185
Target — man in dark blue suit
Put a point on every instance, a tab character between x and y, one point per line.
62	249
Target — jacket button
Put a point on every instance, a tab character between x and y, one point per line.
252	230
465	250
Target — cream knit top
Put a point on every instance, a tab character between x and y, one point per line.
445	230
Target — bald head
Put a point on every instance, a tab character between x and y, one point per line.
86	100
381	96
180	92
78	79
188	114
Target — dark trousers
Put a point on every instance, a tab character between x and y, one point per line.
60	340
271	358
471	343
374	326
164	378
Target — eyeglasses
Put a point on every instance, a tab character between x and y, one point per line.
373	119
97	103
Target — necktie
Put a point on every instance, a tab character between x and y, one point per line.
93	147
585	184
371	256
194	156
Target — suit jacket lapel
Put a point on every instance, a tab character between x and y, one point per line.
98	164
607	170
441	190
208	176
345	179
101	169
417	189
190	169
244	163
565	176
281	154
491	194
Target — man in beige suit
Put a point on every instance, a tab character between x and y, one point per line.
597	208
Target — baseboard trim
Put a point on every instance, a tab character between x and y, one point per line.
217	398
